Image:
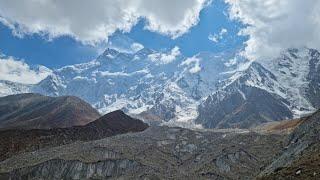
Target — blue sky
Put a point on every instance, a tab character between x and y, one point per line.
35	49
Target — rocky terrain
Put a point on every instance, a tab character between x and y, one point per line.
116	146
35	111
15	141
300	158
156	153
162	152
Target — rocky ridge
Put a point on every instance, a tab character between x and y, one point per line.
17	141
35	111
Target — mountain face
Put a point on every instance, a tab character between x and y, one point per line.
270	90
313	90
297	72
241	105
15	141
35	111
207	90
9	88
166	85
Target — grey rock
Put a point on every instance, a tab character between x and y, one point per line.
156	153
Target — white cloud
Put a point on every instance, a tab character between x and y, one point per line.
275	25
195	68
213	38
136	47
18	71
124	44
217	37
165	58
94	21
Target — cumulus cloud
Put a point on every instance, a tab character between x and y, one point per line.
18	71
93	21
196	64
217	37
124	44
165	58
136	47
275	25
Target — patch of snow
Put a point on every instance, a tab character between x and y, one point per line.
107	73
242	94
78	68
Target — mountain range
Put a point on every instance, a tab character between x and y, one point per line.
207	90
283	88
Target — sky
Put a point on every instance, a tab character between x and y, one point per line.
65	50
55	33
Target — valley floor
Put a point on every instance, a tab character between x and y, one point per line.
117	146
156	153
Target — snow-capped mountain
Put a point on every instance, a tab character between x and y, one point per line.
162	85
282	88
9	87
209	90
294	70
243	101
17	76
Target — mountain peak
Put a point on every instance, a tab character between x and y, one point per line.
111	53
123	43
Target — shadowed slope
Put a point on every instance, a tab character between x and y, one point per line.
34	111
15	141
